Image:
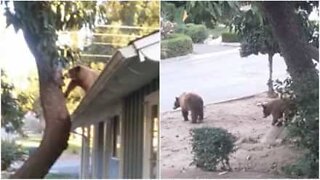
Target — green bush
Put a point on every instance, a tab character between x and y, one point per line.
230	37
10	152
180	28
304	125
211	146
176	45
306	167
197	32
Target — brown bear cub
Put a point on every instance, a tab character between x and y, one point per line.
276	108
190	102
81	76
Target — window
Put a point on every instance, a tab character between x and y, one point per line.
151	136
155	139
115	136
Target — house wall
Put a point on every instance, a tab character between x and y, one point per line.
102	144
132	130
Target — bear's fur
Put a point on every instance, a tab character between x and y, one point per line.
276	108
81	76
190	102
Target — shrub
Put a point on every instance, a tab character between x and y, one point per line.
304	127
176	45
230	37
305	167
10	152
197	32
180	28
211	146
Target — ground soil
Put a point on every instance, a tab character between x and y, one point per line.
254	158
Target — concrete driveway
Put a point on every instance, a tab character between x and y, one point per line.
67	164
217	76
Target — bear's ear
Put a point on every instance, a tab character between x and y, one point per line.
177	99
263	104
77	68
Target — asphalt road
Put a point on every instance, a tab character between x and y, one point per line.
217	76
68	164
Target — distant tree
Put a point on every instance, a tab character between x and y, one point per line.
257	37
11	112
199	12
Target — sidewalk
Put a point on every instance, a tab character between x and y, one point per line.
209	48
213	45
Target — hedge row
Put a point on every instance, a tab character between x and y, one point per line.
197	32
176	45
230	37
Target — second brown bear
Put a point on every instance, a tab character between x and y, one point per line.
190	102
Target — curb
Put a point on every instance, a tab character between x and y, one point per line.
234	99
221	102
205	54
230	44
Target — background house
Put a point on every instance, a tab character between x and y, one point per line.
119	115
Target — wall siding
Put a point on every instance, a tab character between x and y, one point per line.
133	130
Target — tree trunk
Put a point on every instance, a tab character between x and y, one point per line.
57	118
270	81
288	31
313	52
305	78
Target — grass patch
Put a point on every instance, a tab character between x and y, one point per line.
33	141
73	148
60	176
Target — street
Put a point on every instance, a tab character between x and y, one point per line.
67	164
217	76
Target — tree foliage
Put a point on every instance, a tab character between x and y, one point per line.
256	34
10	152
256	37
304	125
206	12
11	111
